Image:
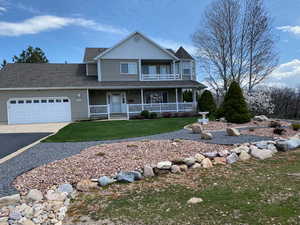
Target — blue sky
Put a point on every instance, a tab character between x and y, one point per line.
64	28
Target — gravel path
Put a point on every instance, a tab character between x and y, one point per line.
44	153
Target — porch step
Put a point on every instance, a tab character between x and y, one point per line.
118	116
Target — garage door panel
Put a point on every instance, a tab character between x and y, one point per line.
43	110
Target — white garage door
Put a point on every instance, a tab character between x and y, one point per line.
38	110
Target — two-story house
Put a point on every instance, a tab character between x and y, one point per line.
134	75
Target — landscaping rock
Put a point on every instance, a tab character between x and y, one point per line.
206	163
274	124
261	144
189	161
55	195
105	180
261	118
126	177
175	169
272	148
15	215
178	161
232	158
165	165
199	157
34	195
244	156
223	153
25	210
233	132
197	128
67	188
10	200
86	185
160	171
261	153
148	171
210	155
206	136
137	175
239	149
183	168
219	161
287	145
195	200
196	165
25	221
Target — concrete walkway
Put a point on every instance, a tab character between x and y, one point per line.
32	128
44	153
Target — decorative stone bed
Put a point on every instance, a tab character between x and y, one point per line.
108	159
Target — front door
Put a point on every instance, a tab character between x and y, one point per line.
116	102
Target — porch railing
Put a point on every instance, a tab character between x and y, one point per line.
155	77
98	110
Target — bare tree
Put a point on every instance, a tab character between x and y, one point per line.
235	42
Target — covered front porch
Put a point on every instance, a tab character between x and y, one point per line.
112	104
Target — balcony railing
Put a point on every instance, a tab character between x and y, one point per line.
155	77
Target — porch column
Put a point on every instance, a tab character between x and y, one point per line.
88	102
176	95
140	69
195	99
142	99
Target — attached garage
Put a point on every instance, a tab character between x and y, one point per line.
38	110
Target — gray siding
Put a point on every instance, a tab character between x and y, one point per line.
78	99
110	71
92	69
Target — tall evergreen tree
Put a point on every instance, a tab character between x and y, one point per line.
235	106
4	63
207	103
31	55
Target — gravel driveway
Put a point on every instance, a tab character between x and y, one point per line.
44	153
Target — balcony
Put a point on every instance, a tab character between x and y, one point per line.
157	77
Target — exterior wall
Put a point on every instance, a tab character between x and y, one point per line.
78	99
137	47
110	71
91	69
98	97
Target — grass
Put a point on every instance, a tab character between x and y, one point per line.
109	130
253	192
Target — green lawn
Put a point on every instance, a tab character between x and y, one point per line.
254	193
109	130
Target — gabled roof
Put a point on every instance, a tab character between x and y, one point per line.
130	36
183	54
70	76
91	53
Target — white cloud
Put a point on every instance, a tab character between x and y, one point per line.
27	8
2	9
175	45
39	24
286	74
291	29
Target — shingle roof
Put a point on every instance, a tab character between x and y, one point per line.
91	53
183	54
46	75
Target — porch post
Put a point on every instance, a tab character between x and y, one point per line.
142	98
140	69
88	103
194	99
176	93
174	72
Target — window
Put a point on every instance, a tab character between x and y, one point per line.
20	101
58	100
128	68
13	102
66	100
36	101
28	101
44	101
156	97
186	67
51	101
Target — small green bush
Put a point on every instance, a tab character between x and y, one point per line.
235	106
296	126
220	112
153	115
206	103
145	114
